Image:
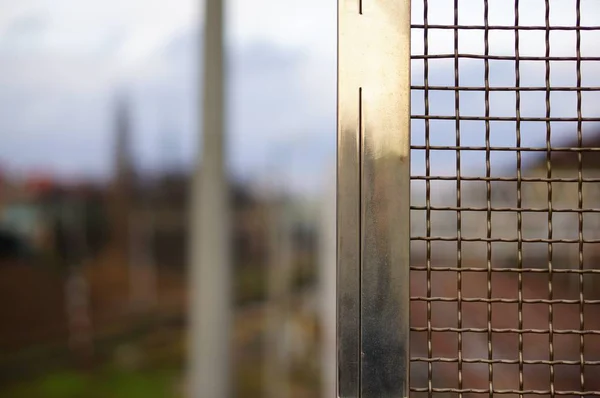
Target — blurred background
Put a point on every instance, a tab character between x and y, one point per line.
101	116
100	121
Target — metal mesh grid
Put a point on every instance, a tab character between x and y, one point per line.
505	203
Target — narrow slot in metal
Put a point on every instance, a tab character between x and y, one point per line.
360	228
373	198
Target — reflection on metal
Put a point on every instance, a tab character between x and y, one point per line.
210	273
373	197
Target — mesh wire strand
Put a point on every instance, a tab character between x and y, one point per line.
489	319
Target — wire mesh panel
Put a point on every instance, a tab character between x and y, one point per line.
505	200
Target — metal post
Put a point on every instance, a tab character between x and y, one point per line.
210	287
77	295
279	285
279	278
373	197
327	254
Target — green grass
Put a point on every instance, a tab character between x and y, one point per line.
109	383
251	280
250	284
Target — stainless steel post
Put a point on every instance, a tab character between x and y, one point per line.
373	197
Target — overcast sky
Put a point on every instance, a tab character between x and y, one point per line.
61	62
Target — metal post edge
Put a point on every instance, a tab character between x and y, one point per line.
373	198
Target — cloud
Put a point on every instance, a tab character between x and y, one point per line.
531	13
281	107
282	69
52	113
309	24
501	74
24	33
91	27
281	86
279	101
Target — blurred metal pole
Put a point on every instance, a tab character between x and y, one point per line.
276	379
77	294
277	383
142	267
327	284
210	287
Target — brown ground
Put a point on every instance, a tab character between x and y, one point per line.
32	307
33	318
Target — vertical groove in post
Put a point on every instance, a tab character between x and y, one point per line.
361	144
210	287
373	197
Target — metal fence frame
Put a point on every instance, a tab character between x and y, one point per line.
374	234
373	197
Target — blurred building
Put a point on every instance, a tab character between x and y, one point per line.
164	199
134	212
536	219
550	206
31	210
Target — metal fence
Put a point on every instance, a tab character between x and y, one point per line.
495	129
